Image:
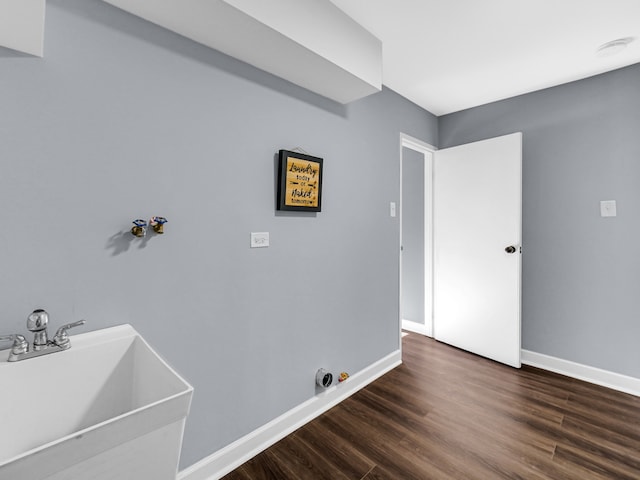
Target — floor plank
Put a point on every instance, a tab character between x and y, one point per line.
446	414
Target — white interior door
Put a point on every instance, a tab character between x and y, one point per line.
477	235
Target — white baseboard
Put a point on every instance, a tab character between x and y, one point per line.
416	328
589	374
235	454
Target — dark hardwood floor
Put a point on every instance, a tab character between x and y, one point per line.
447	414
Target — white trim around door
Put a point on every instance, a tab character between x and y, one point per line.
427	150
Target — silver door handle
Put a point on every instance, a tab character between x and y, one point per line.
510	249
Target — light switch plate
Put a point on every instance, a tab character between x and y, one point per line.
392	209
608	208
259	239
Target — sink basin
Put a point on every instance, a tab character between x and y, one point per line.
107	408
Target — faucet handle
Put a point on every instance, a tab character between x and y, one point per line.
20	344
61	338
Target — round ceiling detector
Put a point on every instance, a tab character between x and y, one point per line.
614	46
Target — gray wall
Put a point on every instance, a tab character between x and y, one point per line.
413	236
123	119
581	272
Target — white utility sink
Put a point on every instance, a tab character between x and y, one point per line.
107	408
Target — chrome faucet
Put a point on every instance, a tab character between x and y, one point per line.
37	323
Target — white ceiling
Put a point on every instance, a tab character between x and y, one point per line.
444	55
449	55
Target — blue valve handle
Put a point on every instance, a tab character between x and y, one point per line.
160	220
140	223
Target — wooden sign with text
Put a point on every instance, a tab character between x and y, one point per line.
299	182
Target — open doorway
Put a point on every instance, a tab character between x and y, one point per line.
416	235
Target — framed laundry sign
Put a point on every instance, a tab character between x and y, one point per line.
299	182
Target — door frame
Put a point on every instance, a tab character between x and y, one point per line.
427	152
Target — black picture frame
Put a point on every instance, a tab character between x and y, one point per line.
299	182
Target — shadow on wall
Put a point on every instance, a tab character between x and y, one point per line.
132	26
121	242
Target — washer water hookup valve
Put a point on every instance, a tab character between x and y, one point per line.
157	223
139	228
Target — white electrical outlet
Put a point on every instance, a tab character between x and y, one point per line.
608	208
259	239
